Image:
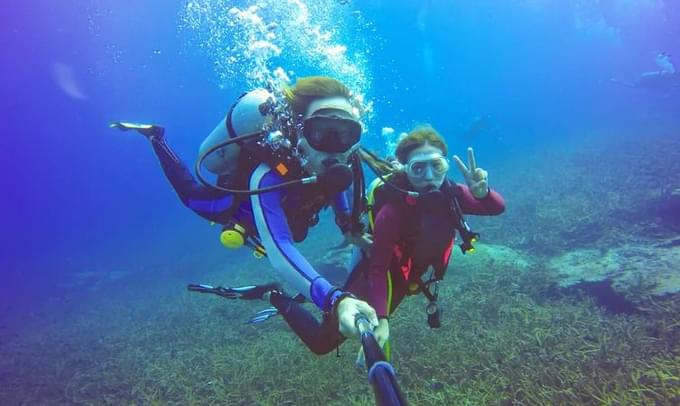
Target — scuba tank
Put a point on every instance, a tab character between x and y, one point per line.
246	136
248	115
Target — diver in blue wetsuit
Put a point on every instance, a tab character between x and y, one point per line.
278	164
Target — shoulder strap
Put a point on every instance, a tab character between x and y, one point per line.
467	236
359	205
371	202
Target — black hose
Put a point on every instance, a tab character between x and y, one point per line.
358	195
203	156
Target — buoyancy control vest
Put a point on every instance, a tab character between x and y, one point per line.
303	204
429	223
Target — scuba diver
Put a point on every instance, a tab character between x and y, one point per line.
664	79
663	60
479	125
414	214
278	163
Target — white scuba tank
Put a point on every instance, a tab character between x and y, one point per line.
247	115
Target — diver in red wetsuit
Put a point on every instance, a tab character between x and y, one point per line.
414	232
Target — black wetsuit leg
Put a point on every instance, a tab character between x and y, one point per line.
320	337
192	194
359	284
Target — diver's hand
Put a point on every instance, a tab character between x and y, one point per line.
476	178
360	363
382	332
348	308
361	240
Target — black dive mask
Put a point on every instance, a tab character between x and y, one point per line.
331	134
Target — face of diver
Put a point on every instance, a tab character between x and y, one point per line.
331	134
426	168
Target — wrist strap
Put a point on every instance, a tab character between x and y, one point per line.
336	297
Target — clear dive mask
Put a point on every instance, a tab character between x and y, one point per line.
433	163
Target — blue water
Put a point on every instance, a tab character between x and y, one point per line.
78	197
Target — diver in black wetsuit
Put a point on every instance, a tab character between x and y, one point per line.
319	166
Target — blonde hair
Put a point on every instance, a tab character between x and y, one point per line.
309	88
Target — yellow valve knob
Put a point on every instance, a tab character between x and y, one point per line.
232	238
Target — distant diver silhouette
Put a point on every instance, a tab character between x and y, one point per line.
664	79
479	125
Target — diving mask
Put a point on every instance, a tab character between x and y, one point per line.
433	163
331	134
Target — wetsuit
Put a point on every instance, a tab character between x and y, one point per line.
391	254
273	216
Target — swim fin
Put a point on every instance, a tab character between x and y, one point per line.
148	130
263	315
250	292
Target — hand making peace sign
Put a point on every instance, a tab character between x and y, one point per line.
476	178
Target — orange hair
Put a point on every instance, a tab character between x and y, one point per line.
418	137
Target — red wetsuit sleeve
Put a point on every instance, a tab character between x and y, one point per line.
385	235
490	205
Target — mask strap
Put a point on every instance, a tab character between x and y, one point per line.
426	157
